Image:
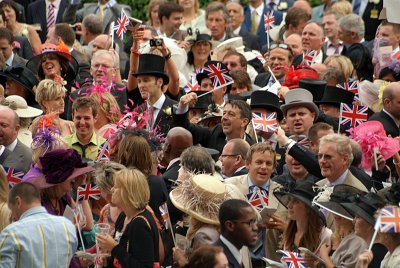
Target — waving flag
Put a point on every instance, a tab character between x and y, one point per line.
265	122
269	20
165	215
389	220
353	115
192	85
13	176
258	200
293	259
306	142
219	75
103	153
352	86
122	24
308	58
88	191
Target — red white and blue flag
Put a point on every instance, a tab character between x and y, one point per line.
165	215
192	85
258	200
389	220
352	86
353	115
88	191
219	75
13	176
306	142
293	259
103	153
122	24
265	122
269	20
308	58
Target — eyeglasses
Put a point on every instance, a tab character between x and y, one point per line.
248	223
283	46
227	155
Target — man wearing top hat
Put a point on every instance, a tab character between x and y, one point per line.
151	78
331	100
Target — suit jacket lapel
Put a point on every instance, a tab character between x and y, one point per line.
42	15
61	8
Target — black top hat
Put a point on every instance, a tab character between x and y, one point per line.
204	73
301	190
341	193
150	64
22	75
203	102
266	100
334	96
316	87
365	206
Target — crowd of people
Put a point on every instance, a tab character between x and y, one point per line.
228	135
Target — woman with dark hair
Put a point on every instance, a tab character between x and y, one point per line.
207	256
11	20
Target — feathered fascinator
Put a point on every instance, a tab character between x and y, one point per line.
370	135
295	74
47	136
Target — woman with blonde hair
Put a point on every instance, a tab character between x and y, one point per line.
342	64
152	15
50	95
342	7
138	244
193	16
4	210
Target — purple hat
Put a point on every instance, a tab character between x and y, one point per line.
58	166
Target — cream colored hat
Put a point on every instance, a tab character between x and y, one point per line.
20	106
201	196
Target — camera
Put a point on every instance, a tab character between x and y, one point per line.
156	42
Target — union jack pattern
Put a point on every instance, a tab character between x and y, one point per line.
265	122
293	259
352	86
121	26
88	191
219	75
165	215
269	20
258	200
308	58
103	153
192	85
389	219
13	176
353	115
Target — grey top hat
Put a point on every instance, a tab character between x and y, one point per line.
299	97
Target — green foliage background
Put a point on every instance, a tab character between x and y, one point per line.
139	7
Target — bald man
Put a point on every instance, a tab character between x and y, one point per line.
303	4
233	158
177	140
102	41
294	42
13	153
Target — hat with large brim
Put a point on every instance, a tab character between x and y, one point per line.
58	166
303	191
365	207
200	196
331	199
391	194
21	75
63	53
203	37
335	96
299	97
266	100
315	86
203	102
150	64
20	106
213	112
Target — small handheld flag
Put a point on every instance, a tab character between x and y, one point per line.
292	259
219	75
353	115
88	191
258	200
122	24
309	57
269	20
266	122
13	176
103	153
352	86
389	219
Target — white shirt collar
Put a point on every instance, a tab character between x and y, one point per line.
10	60
232	248
2	148
259	10
12	145
265	186
56	3
339	180
159	103
237	30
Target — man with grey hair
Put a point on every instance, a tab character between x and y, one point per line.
91	28
351	29
335	157
312	38
217	18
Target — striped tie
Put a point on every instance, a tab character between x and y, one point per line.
50	17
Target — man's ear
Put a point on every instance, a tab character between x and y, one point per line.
230	226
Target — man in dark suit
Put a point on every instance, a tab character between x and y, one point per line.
20	156
255	12
233	158
38	12
238	223
176	141
236	14
22	47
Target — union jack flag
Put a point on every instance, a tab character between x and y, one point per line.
265	122
165	215
353	115
389	220
269	20
305	143
13	176
258	200
192	85
293	259
121	26
352	86
88	192
308	58
103	153
219	75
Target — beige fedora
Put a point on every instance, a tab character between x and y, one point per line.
299	97
201	196
20	106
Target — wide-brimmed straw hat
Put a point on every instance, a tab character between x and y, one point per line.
21	108
331	199
304	191
201	196
58	166
365	206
